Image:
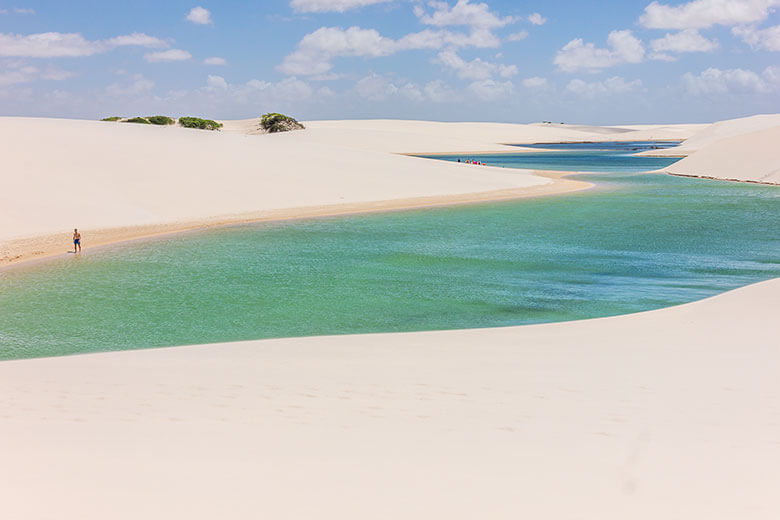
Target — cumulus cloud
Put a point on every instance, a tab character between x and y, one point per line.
474	69
17	72
21	10
215	60
169	55
139	39
199	16
58	45
216	83
624	47
462	13
701	14
375	87
477	17
137	86
439	92
613	85
491	90
768	39
537	19
518	36
252	92
535	82
339	6
717	81
315	52
688	40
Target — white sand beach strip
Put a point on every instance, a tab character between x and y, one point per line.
666	414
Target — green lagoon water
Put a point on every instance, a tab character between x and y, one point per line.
637	242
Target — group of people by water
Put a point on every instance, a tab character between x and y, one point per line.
469	161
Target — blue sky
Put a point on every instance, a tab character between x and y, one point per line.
606	62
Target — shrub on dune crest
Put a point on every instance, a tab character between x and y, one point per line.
274	123
141	120
160	120
112	118
196	122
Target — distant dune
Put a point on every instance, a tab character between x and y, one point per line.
740	150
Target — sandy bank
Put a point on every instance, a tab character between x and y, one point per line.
748	157
737	150
119	181
665	414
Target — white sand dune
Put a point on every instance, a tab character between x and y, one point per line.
665	414
742	149
750	156
725	129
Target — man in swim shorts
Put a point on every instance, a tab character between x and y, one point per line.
76	240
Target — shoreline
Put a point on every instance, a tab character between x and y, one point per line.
746	181
26	251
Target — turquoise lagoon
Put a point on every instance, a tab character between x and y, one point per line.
635	242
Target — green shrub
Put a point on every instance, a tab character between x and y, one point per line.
274	123
160	120
112	118
196	122
141	120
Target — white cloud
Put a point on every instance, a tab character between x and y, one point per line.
439	92
661	56
380	88
375	87
717	81
315	52
768	39
701	14
289	89
462	13
199	16
139	85
216	83
688	40
535	82
518	36
474	69
430	39
339	6
47	45
772	75
215	60
18	72
490	90
169	55
138	39
613	85
624	47
19	10
58	45
537	19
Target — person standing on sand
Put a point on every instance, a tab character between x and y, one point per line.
76	240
